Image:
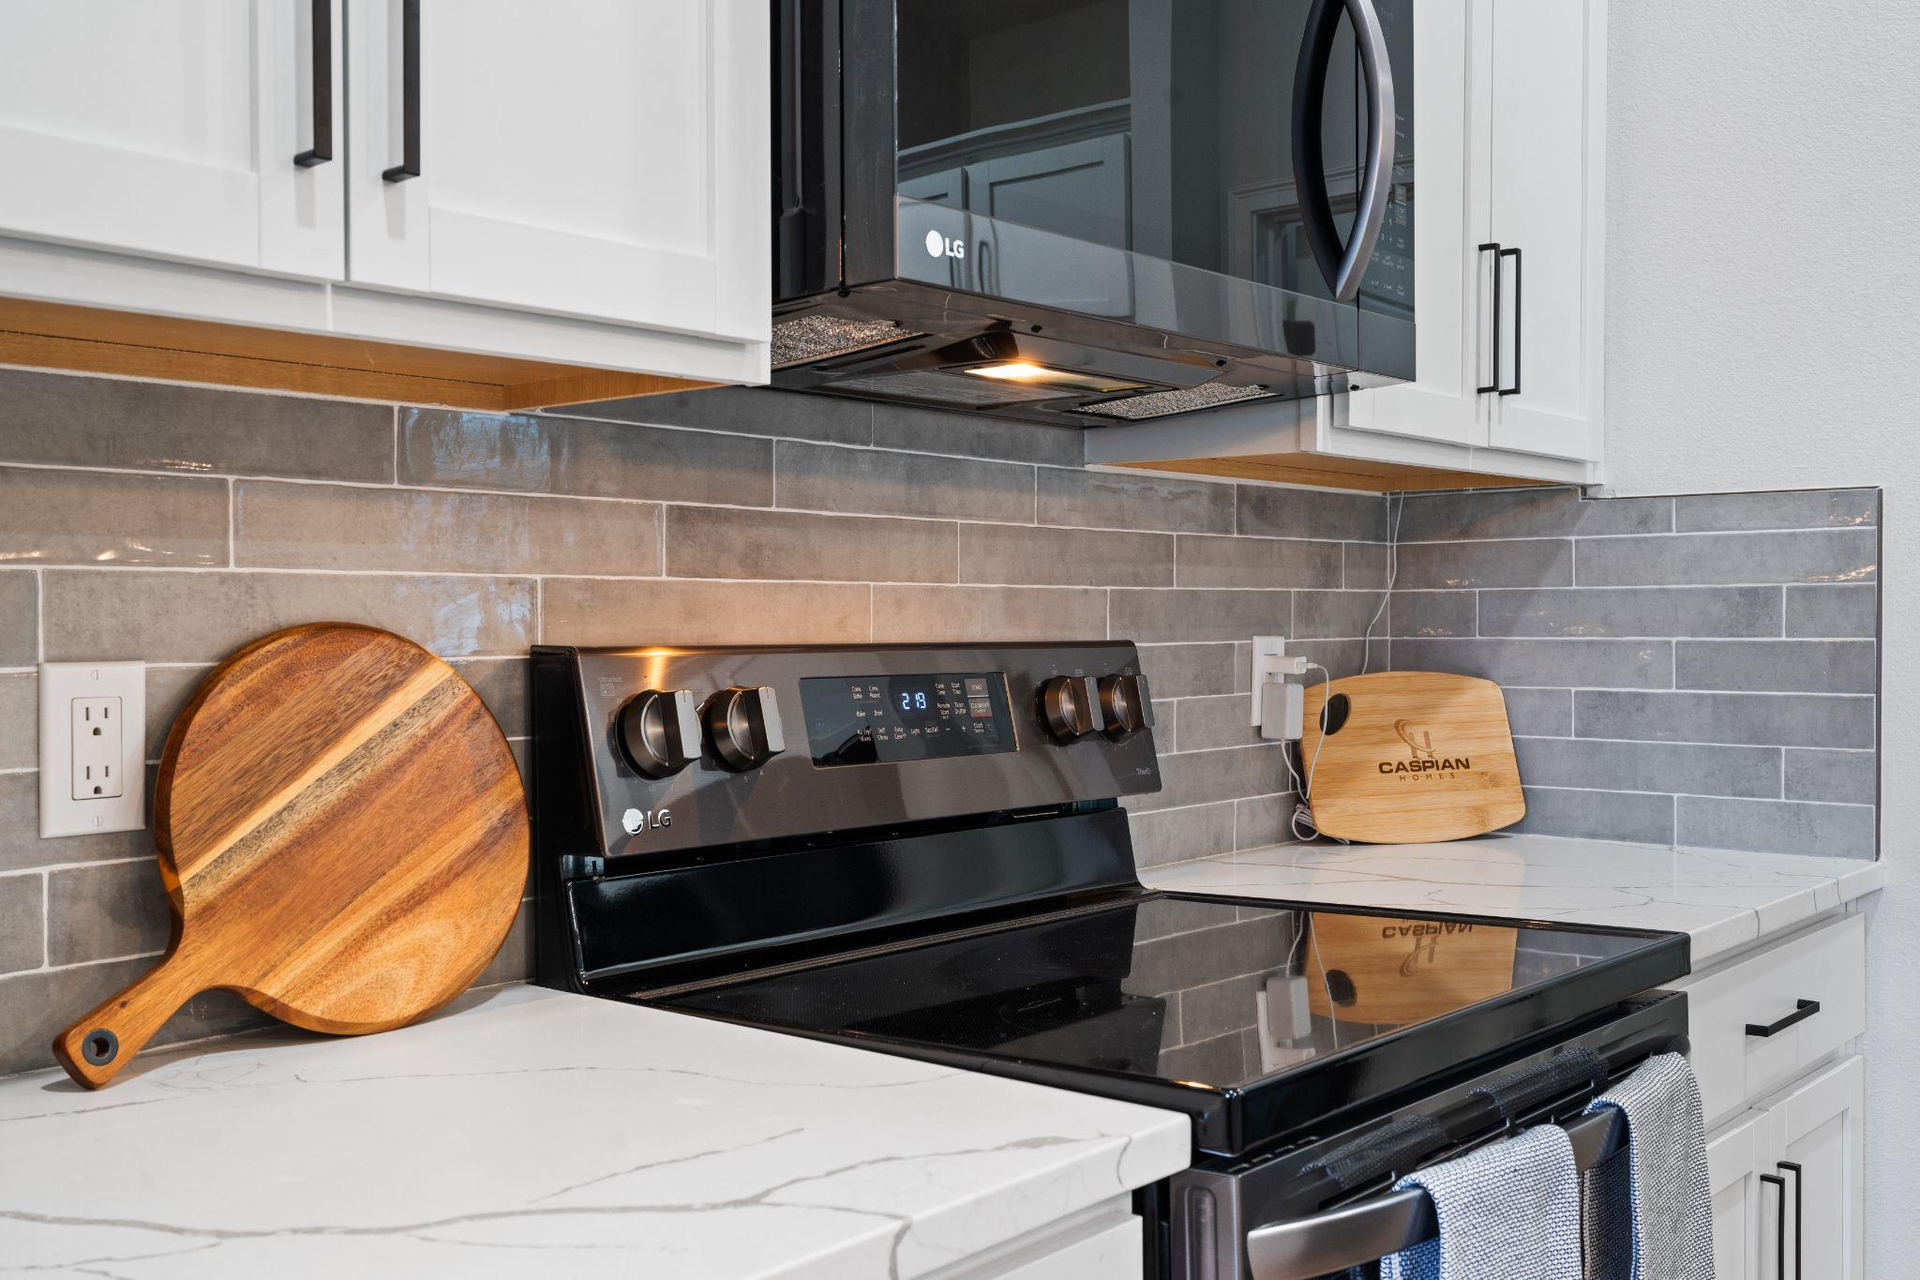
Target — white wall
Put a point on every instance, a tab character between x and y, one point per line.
1763	332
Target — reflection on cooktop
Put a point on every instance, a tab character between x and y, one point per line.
1187	989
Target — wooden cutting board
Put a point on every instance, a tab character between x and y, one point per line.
342	833
1413	756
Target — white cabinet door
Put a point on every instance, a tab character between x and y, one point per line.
604	159
169	128
1736	1157
1817	1149
1452	99
1548	168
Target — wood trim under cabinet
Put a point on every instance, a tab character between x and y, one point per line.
52	335
1329	471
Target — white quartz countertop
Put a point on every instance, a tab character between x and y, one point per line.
530	1132
1724	900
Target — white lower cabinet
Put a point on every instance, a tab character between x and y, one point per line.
1787	1110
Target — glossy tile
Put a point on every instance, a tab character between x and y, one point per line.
110	518
903	614
726	542
813	477
590	611
1067	557
1107	500
61	420
310	526
522	453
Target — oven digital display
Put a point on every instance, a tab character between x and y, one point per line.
888	719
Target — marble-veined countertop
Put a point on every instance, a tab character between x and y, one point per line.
1724	900
530	1132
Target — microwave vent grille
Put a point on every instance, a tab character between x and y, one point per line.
808	338
1159	404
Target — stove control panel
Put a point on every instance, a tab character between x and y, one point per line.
688	747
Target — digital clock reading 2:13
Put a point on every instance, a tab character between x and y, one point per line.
888	719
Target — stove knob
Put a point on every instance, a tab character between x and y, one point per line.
743	727
659	732
1071	707
1126	706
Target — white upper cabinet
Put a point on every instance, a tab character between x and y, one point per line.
170	128
604	159
1509	167
1547	162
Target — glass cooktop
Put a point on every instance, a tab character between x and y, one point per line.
1209	994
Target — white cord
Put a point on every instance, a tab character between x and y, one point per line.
1303	811
1393	571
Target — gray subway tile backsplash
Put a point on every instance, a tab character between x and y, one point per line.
1776	666
1632	611
1526	562
19	618
791	519
111	518
19	719
1777	826
1775	719
1694	768
162	616
1824	555
523	453
1713	648
1106	500
1834	611
732	542
1606	664
817	477
314	526
52	419
1637	816
1039	555
1837	777
1528	513
1794	509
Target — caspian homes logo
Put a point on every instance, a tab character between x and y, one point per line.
1425	758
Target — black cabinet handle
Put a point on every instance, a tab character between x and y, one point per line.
1498	255
1804	1009
1799	1221
1518	292
322	149
1780	1227
409	166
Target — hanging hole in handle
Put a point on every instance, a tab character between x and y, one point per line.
100	1046
1334	715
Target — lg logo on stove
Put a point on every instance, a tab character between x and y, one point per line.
637	820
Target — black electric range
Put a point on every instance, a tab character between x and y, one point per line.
918	849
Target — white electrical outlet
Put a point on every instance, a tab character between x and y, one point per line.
93	737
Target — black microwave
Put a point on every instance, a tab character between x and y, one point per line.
1092	211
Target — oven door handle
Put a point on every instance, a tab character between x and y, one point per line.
1342	268
1363	1232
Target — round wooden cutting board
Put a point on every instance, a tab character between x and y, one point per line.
1411	756
343	834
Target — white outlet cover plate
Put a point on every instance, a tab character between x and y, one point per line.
60	684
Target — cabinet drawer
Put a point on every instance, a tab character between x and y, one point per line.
1827	965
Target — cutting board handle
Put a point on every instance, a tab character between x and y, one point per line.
95	1049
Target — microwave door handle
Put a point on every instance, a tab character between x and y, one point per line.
1342	269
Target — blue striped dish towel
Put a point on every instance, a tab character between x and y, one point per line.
1508	1211
1668	1195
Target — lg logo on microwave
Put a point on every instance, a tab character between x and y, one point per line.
938	246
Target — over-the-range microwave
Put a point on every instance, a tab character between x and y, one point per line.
1092	211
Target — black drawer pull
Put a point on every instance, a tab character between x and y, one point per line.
1805	1009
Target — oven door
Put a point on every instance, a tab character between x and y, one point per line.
1234	170
1323	1204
